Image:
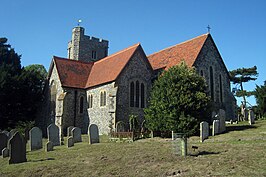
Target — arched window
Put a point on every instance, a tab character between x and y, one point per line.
132	94
81	103
142	96
137	94
90	101
221	88
211	83
103	98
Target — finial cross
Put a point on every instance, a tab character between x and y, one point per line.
209	28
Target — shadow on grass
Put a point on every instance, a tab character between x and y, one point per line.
239	128
204	153
40	160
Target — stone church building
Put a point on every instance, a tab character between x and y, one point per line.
90	87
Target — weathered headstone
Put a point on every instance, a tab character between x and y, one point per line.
76	133
6	132
222	127
12	133
5	153
70	141
251	117
69	129
53	134
26	133
215	127
35	135
93	134
17	149
3	142
204	131
49	146
184	146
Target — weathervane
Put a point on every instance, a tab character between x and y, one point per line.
79	21
209	28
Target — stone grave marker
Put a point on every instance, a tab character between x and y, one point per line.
251	118
76	134
49	146
53	134
222	127
215	127
69	129
35	135
204	131
12	132
93	134
70	141
3	142
5	153
17	149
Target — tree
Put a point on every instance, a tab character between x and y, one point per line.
260	95
178	101
21	88
240	76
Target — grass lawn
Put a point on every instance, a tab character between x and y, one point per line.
239	152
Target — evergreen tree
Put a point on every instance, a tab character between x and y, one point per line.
178	101
260	95
240	76
21	88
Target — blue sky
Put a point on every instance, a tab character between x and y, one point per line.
40	29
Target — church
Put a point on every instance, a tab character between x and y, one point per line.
92	87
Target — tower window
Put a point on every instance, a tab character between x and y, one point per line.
93	54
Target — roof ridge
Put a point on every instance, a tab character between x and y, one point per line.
119	52
71	60
178	44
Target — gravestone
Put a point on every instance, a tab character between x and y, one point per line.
3	142
215	127
26	133
5	153
49	146
251	117
17	149
6	132
93	134
70	141
69	129
76	134
53	134
12	133
221	121
204	131
35	135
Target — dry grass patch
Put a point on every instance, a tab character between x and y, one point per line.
239	152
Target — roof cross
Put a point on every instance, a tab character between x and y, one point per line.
209	28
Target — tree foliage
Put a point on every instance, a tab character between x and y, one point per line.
260	95
21	88
240	76
178	101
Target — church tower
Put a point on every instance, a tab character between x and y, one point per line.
86	48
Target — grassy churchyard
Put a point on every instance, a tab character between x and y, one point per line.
239	152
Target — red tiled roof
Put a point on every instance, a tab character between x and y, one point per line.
80	74
109	68
187	51
72	73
